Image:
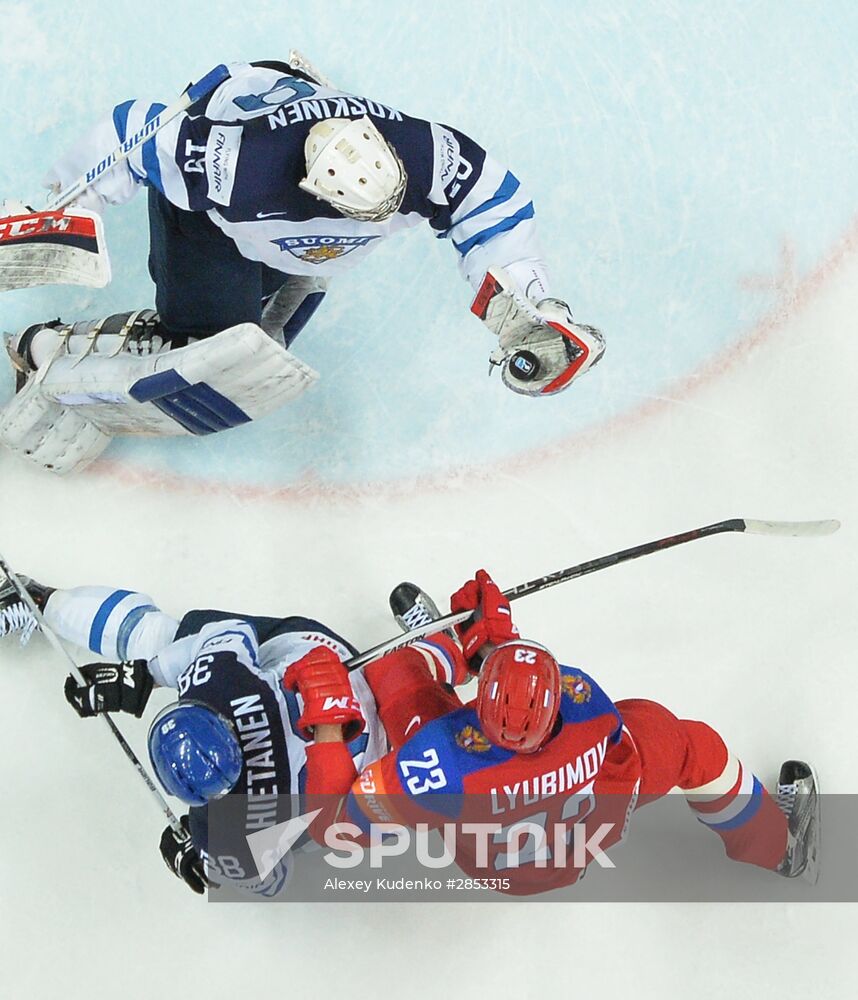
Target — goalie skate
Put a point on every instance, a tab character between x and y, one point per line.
798	798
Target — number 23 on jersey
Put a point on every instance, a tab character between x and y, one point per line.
424	775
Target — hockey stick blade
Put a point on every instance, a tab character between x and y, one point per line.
792	529
786	529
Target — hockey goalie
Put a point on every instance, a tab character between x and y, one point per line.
258	193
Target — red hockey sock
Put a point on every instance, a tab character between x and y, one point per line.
745	817
407	694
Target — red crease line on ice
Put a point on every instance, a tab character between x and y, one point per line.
310	488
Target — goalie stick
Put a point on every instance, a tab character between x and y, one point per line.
789	529
56	642
51	246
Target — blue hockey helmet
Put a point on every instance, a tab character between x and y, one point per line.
195	752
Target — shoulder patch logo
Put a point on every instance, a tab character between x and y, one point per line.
472	740
577	688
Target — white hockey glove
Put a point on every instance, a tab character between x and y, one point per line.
541	349
11	206
116	184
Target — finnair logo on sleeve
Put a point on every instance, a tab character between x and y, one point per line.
222	161
447	151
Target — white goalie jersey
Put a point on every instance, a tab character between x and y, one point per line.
238	155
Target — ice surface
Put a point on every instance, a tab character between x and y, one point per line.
694	176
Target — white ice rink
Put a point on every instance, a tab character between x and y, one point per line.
724	393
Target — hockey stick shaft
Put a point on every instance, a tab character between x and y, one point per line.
57	643
126	148
793	529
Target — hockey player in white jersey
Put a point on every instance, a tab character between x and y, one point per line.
237	674
234	733
258	194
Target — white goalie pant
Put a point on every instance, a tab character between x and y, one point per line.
93	389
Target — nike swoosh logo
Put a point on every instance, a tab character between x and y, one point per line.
414	722
268	215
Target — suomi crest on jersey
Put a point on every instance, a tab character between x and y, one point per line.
319	249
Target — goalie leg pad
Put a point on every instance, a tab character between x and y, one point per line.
236	376
51	436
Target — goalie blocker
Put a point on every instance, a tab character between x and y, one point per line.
116	377
541	349
38	248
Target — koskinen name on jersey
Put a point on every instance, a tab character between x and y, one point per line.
318	249
318	109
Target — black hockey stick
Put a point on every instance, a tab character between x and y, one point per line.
791	529
56	642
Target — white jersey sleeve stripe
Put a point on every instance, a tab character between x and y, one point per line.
509	186
117	624
505	224
479	229
127	627
150	151
155	161
518	243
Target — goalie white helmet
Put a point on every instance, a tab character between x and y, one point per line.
351	166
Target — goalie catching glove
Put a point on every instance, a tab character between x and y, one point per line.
110	687
541	349
323	683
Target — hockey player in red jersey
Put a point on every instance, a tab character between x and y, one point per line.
540	745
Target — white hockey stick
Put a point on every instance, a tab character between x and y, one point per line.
787	529
57	643
50	246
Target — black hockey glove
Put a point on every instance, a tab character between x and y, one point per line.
110	687
183	860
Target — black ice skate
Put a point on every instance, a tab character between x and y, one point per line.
15	616
141	334
413	608
798	798
18	349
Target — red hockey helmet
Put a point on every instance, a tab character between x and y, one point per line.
518	695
